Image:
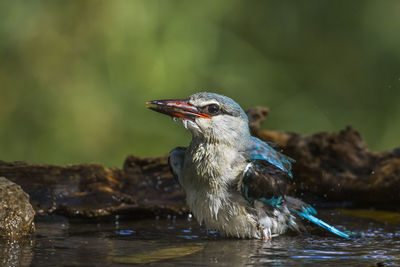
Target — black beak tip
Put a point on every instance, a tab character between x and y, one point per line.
156	102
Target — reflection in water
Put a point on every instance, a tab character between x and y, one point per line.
16	253
181	242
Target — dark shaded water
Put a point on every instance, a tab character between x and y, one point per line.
58	242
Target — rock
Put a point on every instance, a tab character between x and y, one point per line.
16	213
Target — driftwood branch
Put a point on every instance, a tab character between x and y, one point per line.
335	167
338	167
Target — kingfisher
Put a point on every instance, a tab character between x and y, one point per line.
235	183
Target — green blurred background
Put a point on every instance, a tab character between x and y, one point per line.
75	75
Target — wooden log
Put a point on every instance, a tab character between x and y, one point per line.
335	167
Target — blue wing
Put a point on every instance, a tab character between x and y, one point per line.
260	150
267	175
266	179
265	182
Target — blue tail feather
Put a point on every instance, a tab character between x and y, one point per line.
307	215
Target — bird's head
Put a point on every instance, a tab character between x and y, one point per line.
208	116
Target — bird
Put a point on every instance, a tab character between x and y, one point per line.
235	183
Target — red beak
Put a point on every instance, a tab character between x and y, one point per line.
177	108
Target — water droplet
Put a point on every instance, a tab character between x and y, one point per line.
125	232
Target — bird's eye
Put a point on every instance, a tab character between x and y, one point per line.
213	109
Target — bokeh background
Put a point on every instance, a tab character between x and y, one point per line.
75	75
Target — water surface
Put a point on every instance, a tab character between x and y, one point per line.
168	242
